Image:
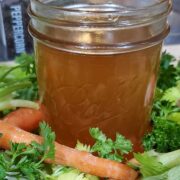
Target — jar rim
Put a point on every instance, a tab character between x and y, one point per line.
161	2
117	17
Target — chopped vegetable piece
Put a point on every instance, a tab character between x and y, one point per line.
159	166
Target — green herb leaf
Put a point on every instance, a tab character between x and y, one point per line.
169	73
124	145
83	147
109	149
49	138
97	134
172	95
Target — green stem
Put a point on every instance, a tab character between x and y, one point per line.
12	104
14	87
170	159
9	71
5	84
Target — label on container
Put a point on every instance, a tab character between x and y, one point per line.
14	36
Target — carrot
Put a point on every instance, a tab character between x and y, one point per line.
25	118
67	156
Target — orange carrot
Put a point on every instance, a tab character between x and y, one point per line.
25	118
67	156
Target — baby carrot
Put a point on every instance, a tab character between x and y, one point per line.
67	156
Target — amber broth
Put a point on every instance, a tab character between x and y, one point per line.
112	92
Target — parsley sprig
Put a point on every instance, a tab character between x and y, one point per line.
109	149
23	161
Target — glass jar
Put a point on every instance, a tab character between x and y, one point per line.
97	64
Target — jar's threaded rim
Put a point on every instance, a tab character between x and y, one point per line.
117	10
114	15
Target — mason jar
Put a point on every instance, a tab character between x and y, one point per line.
97	64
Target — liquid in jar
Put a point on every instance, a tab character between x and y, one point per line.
111	92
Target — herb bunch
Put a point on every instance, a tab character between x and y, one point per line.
165	135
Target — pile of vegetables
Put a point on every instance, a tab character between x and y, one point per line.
28	156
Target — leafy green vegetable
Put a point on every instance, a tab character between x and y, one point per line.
18	83
48	147
172	95
66	173
7	89
10	72
165	136
165	115
23	161
157	166
172	174
109	149
75	174
149	166
175	117
169	73
27	63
